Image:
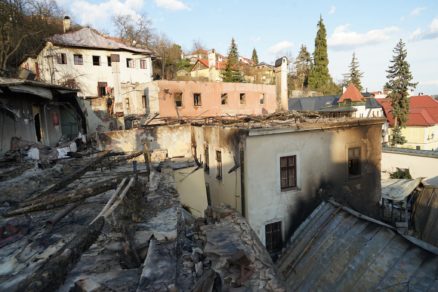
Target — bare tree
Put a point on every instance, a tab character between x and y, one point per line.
198	45
23	26
134	31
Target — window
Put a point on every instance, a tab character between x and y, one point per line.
288	172
197	99
62	58
101	88
262	98
108	59
242	98
273	236
178	99
207	157
78	59
143	64
224	98
417	147
127	105
96	61
354	161
130	63
219	165
143	101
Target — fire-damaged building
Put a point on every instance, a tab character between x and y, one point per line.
38	112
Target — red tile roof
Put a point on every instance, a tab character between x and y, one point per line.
351	93
423	111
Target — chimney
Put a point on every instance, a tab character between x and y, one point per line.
281	83
212	59
66	24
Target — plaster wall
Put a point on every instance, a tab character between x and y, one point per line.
228	189
322	171
190	185
163	98
418	166
88	75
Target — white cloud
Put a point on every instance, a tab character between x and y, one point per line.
342	38
99	15
417	11
172	4
280	47
332	9
431	33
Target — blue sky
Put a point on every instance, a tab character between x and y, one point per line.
279	27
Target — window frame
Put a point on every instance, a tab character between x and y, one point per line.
274	237
130	63
242	98
224	97
61	58
358	158
219	173
78	59
109	61
95	58
179	94
262	98
197	101
143	64
101	85
291	165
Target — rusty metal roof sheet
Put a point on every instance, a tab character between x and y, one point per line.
338	249
399	189
425	214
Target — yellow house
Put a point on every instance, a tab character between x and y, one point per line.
421	130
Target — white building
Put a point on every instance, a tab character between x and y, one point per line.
95	64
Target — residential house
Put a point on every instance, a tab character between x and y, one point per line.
421	130
196	55
98	66
276	171
364	107
38	112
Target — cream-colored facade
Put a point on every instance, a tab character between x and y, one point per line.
421	138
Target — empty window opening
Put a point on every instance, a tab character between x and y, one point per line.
219	165
78	59
354	161
143	64
62	58
108	59
273	236
197	99
288	172
101	88
262	98
96	61
143	101
128	109
129	63
178	99
206	162
242	98
224	98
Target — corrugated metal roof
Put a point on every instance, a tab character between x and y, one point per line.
89	38
398	189
337	249
425	214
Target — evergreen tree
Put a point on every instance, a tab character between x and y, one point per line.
319	77
255	58
399	82
232	71
354	75
302	64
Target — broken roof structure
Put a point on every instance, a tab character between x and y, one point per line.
425	214
338	249
91	39
399	189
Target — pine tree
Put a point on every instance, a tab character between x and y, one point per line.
255	58
302	65
399	82
354	75
232	71
319	77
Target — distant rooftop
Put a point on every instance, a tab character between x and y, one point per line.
90	38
